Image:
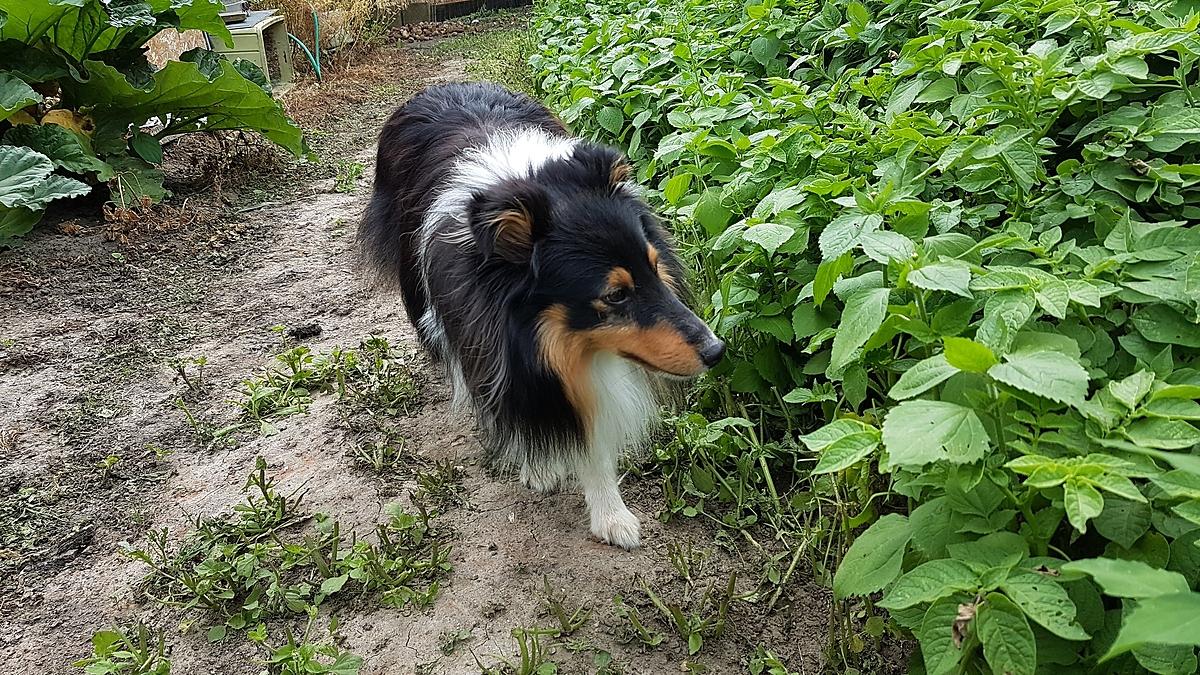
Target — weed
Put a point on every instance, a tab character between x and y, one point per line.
304	656
442	487
637	628
765	663
533	655
496	56
451	640
708	620
381	456
348	173
206	433
107	465
569	621
190	370
127	651
241	568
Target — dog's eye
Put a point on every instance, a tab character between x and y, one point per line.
617	296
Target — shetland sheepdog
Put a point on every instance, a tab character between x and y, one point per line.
531	268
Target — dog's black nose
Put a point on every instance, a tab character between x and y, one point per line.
712	352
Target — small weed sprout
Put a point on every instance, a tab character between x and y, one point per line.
568	621
127	651
381	456
190	371
348	173
637	629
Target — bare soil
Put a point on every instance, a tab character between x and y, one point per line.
89	317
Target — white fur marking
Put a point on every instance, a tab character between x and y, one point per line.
625	412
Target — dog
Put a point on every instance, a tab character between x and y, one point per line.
535	273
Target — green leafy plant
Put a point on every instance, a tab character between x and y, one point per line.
347	176
76	92
952	247
240	569
132	651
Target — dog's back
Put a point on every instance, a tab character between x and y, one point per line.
417	151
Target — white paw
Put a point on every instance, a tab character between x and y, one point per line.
545	481
618	527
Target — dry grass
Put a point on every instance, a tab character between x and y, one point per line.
348	27
310	103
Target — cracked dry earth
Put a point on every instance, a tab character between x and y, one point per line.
86	329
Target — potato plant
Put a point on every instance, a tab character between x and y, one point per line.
954	248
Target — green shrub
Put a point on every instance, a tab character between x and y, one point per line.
76	90
957	242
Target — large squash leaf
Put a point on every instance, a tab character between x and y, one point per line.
15	95
188	100
85	27
67	149
27	186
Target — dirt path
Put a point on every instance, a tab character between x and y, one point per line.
87	328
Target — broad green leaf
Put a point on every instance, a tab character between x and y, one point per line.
1044	601
1052	375
611	119
1008	643
862	316
997	550
1054	296
1082	501
770	236
346	664
61	145
929	581
16	221
1172	619
846	231
228	101
333	584
922	376
846	451
1004	314
1129	578
1159	323
884	245
917	433
1131	390
938	90
874	559
15	95
677	187
134	181
968	355
709	212
776	326
1163	434
950	277
821	438
939	647
21	171
1123	520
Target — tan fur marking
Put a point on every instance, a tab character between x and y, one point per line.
568	354
514	229
660	346
652	254
620	277
619	173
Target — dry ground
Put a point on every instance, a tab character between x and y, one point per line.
87	326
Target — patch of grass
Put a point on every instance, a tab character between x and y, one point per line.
348	173
702	619
568	621
305	655
133	650
244	567
496	56
380	456
440	487
375	376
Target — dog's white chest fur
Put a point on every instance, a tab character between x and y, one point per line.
626	408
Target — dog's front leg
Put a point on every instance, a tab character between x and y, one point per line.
612	521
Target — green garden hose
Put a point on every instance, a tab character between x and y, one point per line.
314	60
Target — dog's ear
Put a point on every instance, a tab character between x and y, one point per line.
508	219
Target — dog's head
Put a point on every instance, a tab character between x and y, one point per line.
601	273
